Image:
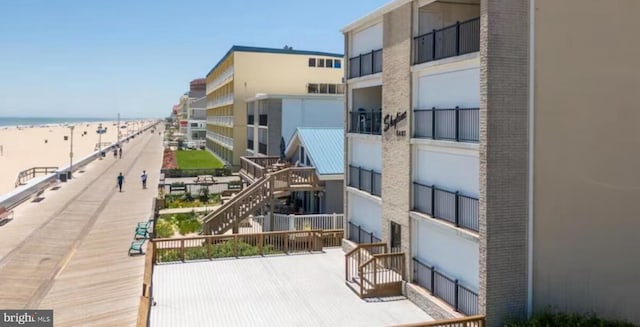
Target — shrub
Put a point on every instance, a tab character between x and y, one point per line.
164	229
560	319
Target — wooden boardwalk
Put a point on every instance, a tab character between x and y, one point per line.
69	252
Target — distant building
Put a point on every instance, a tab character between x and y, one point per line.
244	72
272	119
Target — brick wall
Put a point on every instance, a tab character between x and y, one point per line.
504	83
396	97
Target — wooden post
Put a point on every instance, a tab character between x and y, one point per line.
286	242
182	249
208	245
235	245
261	244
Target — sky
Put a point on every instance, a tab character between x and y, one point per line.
85	58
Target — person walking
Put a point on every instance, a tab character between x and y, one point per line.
143	177
115	153
120	181
121	153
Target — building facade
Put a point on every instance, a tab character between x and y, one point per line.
246	71
478	141
272	119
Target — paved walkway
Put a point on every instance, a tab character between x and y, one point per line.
69	252
293	290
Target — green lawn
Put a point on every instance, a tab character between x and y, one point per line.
197	159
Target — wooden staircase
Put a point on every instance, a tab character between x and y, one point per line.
370	271
270	186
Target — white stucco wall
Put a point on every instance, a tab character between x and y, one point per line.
366	40
448	250
311	113
365	152
449	89
451	170
366	213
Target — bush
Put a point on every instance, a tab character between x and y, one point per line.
559	319
164	229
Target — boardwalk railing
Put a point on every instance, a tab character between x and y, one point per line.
256	167
31	173
283	222
460	210
461	298
237	245
450	41
474	321
146	297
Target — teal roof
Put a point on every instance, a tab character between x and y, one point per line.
240	48
325	147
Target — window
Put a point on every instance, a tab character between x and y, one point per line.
332	88
312	88
337	63
323	88
320	62
194	125
312	62
329	63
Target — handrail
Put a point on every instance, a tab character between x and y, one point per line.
473	321
207	246
445	28
33	171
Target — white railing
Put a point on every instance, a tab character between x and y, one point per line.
220	101
220	120
223	140
220	80
282	222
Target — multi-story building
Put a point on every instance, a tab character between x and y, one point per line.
197	111
272	119
244	72
490	141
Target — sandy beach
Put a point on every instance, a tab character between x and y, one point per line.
25	147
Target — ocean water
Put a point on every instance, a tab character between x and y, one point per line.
28	121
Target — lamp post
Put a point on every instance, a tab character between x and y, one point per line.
100	131
70	152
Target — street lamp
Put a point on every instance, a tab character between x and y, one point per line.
70	152
100	131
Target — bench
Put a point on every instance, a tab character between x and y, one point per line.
179	187
5	213
141	233
136	246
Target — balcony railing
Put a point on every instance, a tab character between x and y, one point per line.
220	120
366	122
458	209
451	41
262	120
250	119
365	180
461	298
250	145
360	235
262	148
365	64
459	124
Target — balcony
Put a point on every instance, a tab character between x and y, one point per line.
460	210
454	40
459	124
366	122
220	101
262	120
449	289
365	180
360	235
220	139
262	148
221	80
220	120
365	64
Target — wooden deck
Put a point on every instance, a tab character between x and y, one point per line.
69	252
